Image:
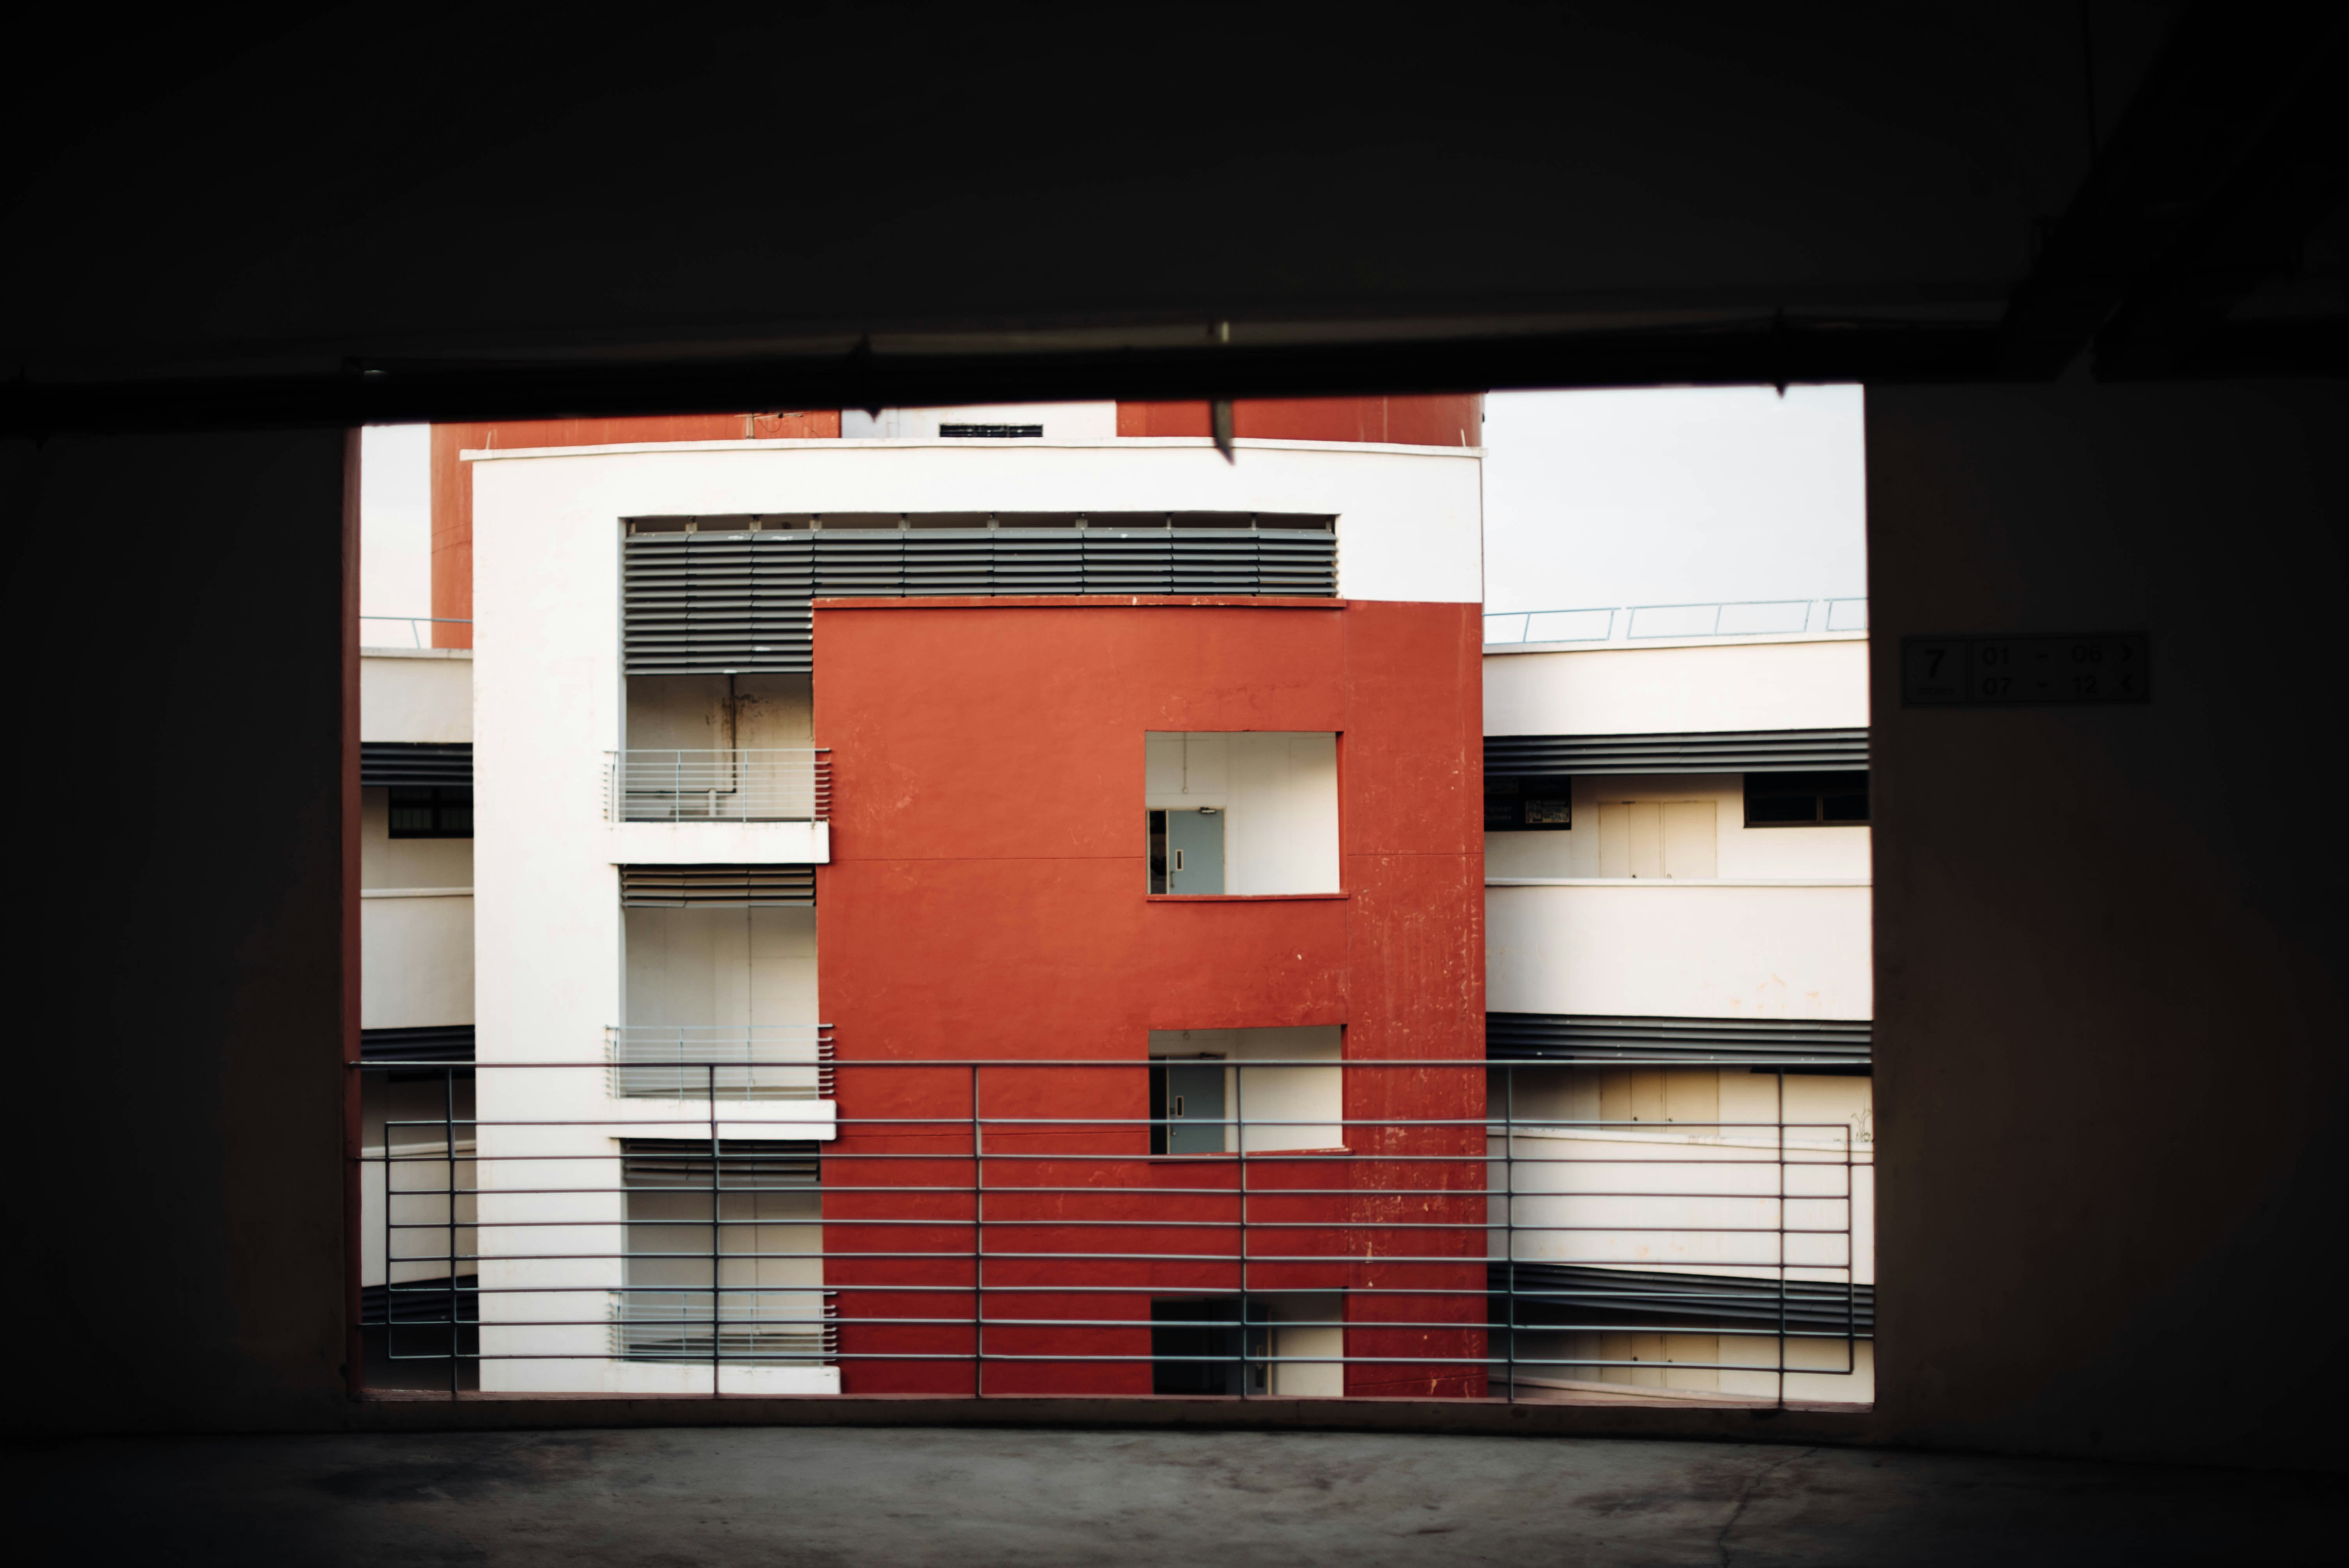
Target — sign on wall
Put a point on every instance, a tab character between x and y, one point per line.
2007	672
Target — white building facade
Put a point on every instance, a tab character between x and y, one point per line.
1678	963
651	818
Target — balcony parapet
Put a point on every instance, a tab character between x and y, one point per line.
693	1062
679	786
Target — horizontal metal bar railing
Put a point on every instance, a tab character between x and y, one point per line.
685	1061
1717	618
773	784
1004	1226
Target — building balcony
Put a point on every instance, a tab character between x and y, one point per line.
1640	947
693	1062
750	805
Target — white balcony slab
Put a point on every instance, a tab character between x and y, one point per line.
814	1119
719	843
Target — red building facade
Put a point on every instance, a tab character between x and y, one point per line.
987	901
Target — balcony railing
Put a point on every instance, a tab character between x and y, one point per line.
1535	1232
1643	623
769	785
681	1061
758	1328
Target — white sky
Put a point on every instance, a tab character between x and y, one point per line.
1672	496
1590	499
395	529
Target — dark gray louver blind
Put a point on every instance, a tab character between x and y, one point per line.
734	887
1737	1042
415	762
741	1162
1550	1294
1727	752
711	601
433	1043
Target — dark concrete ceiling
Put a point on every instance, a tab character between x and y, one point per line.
512	213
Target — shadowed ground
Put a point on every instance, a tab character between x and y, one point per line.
961	1498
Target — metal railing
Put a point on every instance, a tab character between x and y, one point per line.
781	784
1646	623
415	624
771	1328
687	1061
1002	1227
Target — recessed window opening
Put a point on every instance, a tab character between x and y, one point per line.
1220	1091
720	985
430	811
724	1251
1241	813
1527	804
1805	799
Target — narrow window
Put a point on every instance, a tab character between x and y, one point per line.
431	811
1805	799
1516	805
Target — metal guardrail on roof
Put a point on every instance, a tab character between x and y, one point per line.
414	625
1015	1226
1647	622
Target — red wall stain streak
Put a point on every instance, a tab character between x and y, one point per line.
986	899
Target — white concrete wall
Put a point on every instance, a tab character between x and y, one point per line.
1309	1324
416	694
1679	949
416	957
1740	852
1710	1201
1806	683
710	713
1278	791
1276	1107
1408	517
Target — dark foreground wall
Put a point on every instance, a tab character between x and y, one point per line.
2110	1089
177	793
2110	941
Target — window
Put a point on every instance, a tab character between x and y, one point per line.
1210	1344
997	431
1516	805
1245	813
432	810
1217	1091
1805	799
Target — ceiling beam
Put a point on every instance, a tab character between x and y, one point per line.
1780	352
2213	161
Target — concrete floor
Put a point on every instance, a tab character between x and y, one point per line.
966	1499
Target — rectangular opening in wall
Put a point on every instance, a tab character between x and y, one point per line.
1218	1091
430	811
1527	803
720	1003
1805	799
1241	813
724	1254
